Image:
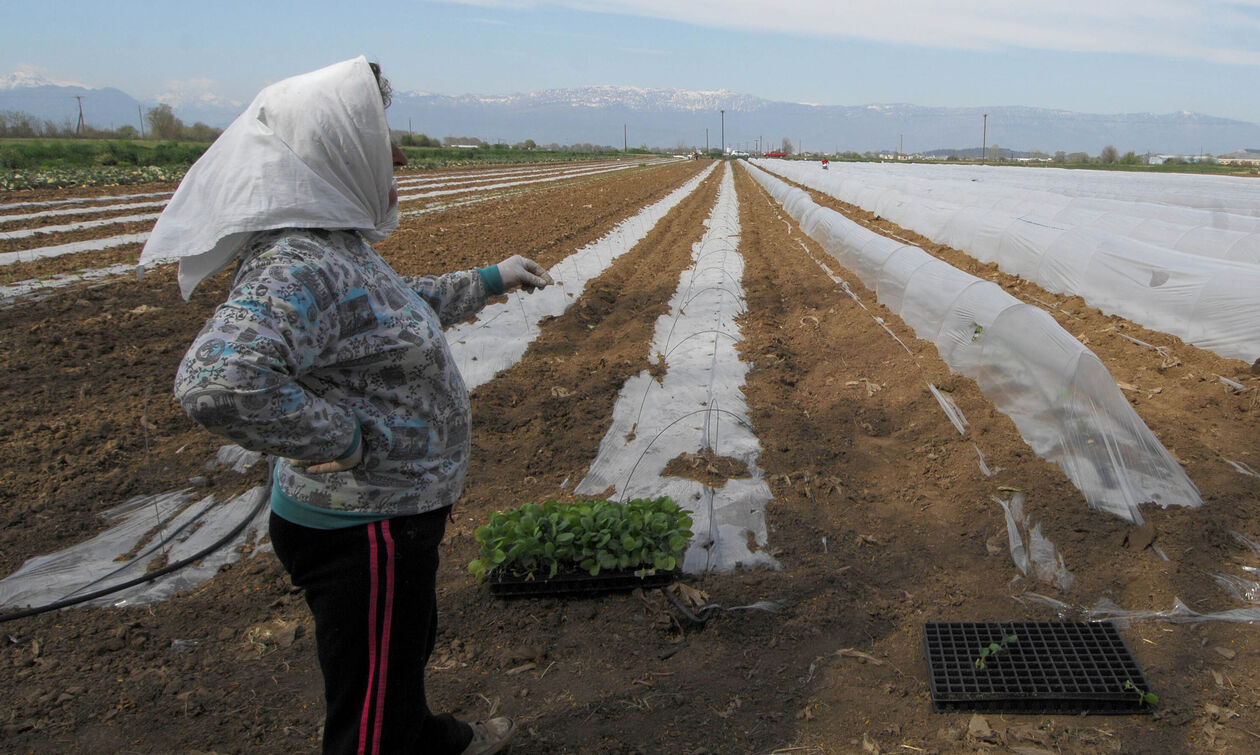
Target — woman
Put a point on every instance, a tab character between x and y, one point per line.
324	357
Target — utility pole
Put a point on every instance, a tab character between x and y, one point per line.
706	140
625	139
984	139
901	145
723	112
140	111
78	130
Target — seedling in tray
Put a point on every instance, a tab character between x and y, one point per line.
1146	698
993	648
541	541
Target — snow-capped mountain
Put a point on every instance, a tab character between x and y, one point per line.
679	118
635	98
26	77
685	119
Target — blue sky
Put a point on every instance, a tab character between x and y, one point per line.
1096	56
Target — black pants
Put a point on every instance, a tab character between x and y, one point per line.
371	591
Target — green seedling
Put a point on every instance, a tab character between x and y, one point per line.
539	541
993	648
1146	698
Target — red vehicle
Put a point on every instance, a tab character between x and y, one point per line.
774	154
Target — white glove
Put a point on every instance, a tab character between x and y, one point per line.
336	465
517	271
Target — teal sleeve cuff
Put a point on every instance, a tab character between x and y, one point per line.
491	279
354	443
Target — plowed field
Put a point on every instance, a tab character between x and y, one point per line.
881	518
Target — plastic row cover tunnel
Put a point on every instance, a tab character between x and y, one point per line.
1061	398
1154	263
1210	216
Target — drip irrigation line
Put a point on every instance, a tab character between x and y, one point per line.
709	410
263	500
734	338
714	529
524	317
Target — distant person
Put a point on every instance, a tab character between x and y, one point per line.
327	359
824	163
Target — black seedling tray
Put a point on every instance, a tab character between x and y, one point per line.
1053	667
579	584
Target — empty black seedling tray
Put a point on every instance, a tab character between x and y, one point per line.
578	584
1051	667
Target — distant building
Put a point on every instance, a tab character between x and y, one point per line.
1246	157
1161	159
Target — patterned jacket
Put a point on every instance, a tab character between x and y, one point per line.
322	345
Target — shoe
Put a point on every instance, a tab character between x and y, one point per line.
490	736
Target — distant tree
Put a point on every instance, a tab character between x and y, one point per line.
1079	158
1060	156
418	140
18	124
126	132
162	122
1108	155
787	146
527	145
200	132
995	154
1131	158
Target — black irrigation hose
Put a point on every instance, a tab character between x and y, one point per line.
263	501
699	618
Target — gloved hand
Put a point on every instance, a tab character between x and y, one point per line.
336	465
517	271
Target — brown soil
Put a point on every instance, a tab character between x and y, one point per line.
881	519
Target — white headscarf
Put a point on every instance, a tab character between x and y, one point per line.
311	151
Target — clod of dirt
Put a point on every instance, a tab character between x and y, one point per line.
1140	538
706	467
